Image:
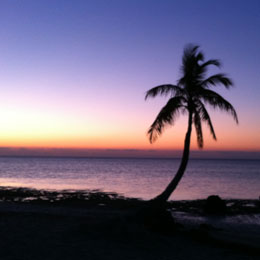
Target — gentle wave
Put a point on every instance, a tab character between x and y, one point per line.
141	178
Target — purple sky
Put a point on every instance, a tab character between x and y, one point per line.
78	70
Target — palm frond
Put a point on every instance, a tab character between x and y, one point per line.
214	62
216	80
203	68
191	93
190	58
214	99
197	123
163	90
200	56
166	116
189	51
191	69
206	118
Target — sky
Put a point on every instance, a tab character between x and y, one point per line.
73	74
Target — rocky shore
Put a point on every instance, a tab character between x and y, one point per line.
37	224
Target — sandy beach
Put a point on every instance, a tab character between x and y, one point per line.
106	227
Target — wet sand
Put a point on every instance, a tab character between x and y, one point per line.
102	228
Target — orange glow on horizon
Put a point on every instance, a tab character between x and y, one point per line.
169	141
41	128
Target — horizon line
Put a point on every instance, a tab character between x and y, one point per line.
125	153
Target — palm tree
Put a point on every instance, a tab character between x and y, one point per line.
189	96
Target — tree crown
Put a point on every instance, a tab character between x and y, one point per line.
191	93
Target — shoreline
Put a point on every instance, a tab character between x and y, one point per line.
97	197
96	225
85	153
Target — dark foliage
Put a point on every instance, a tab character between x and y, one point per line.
191	94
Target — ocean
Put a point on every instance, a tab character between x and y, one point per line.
139	178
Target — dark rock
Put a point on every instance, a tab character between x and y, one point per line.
215	205
156	218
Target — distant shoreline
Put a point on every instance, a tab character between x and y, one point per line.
118	157
125	153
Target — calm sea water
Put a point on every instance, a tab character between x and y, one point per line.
141	178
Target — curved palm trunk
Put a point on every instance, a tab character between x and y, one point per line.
164	196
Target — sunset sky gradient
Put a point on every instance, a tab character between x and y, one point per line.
73	74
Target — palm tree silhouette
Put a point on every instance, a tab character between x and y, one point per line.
189	96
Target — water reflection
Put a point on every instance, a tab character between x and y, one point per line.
141	178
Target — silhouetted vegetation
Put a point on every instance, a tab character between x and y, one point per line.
189	96
98	198
66	197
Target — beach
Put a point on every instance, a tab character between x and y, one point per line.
95	225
